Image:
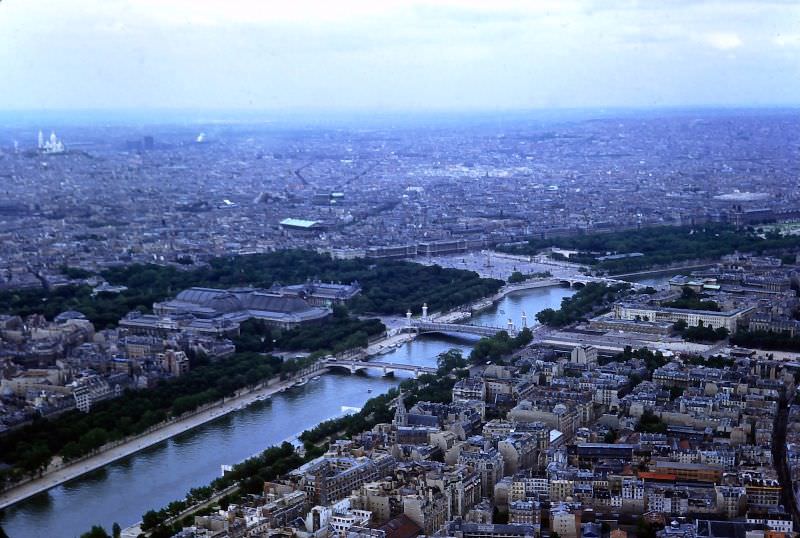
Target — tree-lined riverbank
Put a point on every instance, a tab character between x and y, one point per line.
153	476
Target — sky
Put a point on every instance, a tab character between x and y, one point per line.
392	55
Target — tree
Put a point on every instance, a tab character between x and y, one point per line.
150	519
96	532
649	422
449	361
35	457
116	531
645	529
516	277
498	517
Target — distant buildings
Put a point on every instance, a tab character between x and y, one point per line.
50	146
716	320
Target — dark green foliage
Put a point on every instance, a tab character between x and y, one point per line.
498	517
690	300
450	362
389	287
104	310
652	360
334	335
650	423
645	529
116	530
74	434
427	387
766	340
375	411
584	302
96	532
662	246
702	333
74	272
250	475
517	277
717	361
276	461
499	345
150	519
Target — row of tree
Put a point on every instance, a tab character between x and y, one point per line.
662	246
251	474
517	277
691	300
700	332
651	359
500	345
434	388
29	450
340	333
777	341
248	475
388	286
585	301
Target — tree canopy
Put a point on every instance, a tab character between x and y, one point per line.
586	300
661	246
388	286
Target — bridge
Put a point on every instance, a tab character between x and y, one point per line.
424	326
581	281
386	367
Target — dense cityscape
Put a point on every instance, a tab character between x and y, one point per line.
167	194
662	409
440	268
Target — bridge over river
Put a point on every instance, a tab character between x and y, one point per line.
386	367
424	326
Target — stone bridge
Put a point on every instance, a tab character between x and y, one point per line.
424	326
386	367
581	281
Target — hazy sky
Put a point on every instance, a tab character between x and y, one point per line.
389	54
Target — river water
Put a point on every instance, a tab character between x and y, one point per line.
124	490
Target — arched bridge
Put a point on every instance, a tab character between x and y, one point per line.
581	281
386	367
461	328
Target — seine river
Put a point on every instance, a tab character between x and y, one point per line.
124	490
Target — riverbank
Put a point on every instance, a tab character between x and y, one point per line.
71	471
157	476
391	342
62	474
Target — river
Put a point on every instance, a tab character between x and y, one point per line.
124	490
